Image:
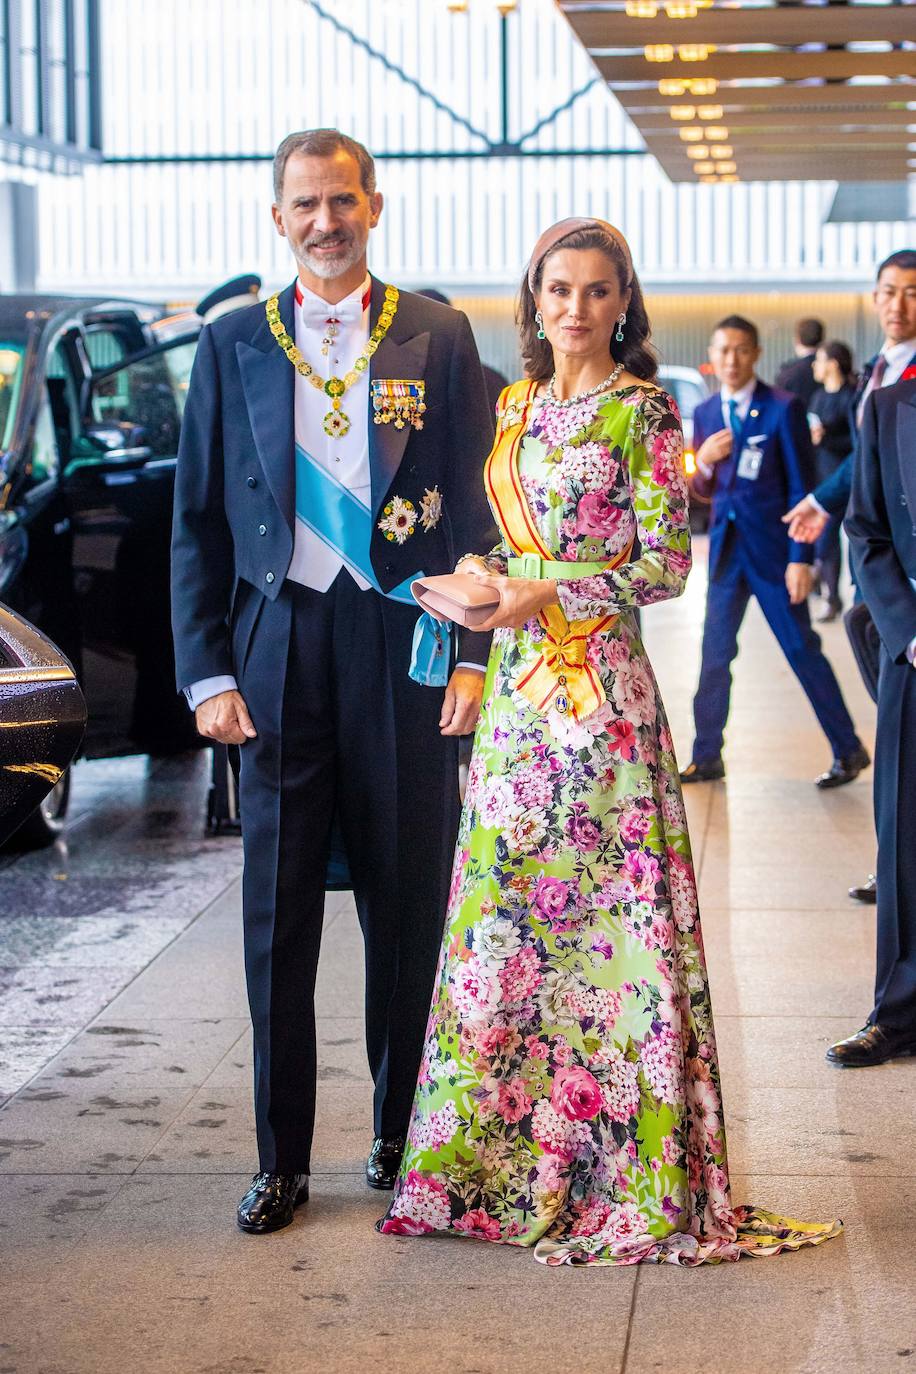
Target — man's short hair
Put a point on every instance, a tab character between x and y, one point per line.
810	333
739	322
323	143
904	258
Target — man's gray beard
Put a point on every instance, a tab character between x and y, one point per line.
328	269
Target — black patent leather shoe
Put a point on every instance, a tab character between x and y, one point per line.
384	1161
710	771
844	770
867	893
872	1045
271	1201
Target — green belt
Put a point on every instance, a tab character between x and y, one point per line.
530	565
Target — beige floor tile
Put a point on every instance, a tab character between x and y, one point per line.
842	1307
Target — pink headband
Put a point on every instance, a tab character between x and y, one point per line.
552	236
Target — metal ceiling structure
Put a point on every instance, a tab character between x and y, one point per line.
762	91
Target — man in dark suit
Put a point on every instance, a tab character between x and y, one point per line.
753	454
894	299
881	524
332	450
797	375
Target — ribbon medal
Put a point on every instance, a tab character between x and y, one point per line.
398	402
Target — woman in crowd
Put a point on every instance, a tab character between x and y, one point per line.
569	1091
831	419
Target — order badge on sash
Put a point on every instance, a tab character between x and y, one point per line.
751	457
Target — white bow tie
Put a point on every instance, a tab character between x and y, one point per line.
317	313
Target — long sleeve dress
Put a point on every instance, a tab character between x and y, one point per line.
568	1097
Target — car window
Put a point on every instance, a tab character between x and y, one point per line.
10	380
687	394
105	348
149	395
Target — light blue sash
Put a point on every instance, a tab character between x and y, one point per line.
342	521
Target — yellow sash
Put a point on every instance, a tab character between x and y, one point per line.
562	677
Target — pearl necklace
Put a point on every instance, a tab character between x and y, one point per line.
583	395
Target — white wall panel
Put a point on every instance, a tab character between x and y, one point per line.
233	76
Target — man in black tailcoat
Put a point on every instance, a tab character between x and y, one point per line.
332	450
881	524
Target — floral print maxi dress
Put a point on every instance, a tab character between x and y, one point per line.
568	1097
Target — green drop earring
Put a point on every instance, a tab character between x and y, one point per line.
539	321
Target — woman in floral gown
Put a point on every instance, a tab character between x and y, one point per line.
569	1097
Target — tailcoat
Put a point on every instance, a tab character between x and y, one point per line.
342	730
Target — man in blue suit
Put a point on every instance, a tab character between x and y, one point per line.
332	450
754	457
881	525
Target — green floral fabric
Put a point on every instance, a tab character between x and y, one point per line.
569	1097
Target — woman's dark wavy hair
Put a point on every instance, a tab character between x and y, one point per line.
636	353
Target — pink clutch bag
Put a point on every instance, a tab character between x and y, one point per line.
456	596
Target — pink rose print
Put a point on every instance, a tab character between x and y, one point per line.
512	1102
597	516
576	1094
642	869
479	1223
582	830
550	897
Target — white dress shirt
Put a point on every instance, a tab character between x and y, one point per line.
314	563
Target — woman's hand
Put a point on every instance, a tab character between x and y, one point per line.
520	599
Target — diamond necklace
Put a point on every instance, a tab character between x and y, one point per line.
583	395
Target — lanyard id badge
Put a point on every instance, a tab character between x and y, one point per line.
751	458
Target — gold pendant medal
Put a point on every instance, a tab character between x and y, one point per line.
336	421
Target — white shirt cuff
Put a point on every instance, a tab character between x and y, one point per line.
813	501
208	687
478	667
911	652
705	469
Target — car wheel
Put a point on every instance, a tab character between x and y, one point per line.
46	822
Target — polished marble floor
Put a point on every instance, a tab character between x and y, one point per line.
127	1136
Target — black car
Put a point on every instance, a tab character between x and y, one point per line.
42	718
91	398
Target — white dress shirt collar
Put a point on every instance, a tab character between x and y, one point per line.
897	355
316	312
742	398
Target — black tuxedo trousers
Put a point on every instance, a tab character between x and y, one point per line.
895	821
351	734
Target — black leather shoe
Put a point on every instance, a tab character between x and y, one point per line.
844	770
868	892
872	1045
710	771
384	1161
270	1202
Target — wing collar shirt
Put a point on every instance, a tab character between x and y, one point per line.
314	563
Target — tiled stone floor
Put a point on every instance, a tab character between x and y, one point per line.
128	1135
